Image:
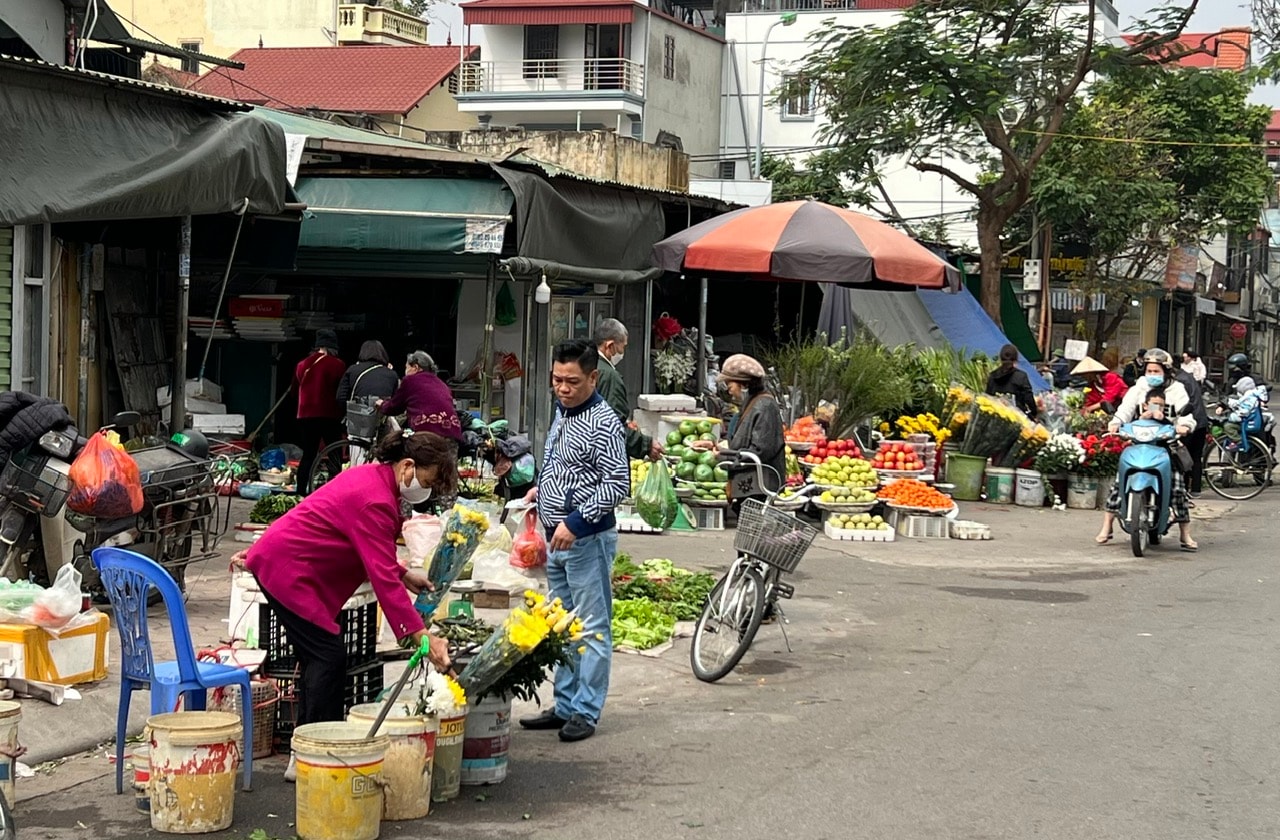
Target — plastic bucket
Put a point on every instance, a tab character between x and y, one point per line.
487	740
141	762
1082	492
1000	485
339	794
1028	490
965	472
10	717
446	774
407	768
194	756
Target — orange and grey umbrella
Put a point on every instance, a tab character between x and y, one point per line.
805	240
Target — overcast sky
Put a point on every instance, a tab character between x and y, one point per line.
1211	15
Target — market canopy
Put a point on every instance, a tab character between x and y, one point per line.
808	241
84	146
405	215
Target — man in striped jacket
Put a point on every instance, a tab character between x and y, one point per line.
585	474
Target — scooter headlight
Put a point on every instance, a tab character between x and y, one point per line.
1144	434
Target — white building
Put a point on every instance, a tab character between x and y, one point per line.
793	128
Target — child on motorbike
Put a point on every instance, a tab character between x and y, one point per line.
1248	400
1156	396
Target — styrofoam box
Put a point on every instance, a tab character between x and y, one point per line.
209	391
74	656
246	596
886	535
219	424
666	402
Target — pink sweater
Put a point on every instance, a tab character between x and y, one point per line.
314	557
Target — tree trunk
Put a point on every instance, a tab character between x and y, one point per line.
990	225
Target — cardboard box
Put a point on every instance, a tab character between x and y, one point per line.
70	658
497	599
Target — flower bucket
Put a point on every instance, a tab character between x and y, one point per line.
965	473
486	742
446	773
1104	490
1000	485
1028	488
406	770
1082	492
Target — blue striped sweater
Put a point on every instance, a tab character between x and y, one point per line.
585	471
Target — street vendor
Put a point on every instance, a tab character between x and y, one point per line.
312	560
424	399
1106	388
757	427
611	344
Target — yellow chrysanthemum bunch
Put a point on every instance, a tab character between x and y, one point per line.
923	424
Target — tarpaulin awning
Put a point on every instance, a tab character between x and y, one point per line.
407	215
967	326
82	146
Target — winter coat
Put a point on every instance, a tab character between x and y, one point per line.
1014	382
25	417
367	379
758	429
614	391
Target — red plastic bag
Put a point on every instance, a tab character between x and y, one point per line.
105	481
529	549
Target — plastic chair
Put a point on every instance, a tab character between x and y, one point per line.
126	576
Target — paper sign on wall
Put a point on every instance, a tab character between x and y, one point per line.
1075	350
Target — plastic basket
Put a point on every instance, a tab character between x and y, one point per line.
362	685
265	696
34	484
359	638
772	536
363	418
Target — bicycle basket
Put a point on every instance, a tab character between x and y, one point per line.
771	535
362	418
36	482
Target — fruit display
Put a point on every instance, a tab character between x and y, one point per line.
858	522
844	471
692	465
911	493
898	456
705	492
847	496
805	431
795	476
835	448
639	469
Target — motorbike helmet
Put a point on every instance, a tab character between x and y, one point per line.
1238	361
192	442
1160	357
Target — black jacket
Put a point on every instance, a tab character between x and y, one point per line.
375	380
1196	396
1015	383
25	417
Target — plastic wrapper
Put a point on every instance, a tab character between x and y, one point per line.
529	550
656	500
105	481
54	608
421	536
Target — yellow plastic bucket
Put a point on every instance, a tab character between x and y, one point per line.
194	757
339	783
10	717
446	777
407	768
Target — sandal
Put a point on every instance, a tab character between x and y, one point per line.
1100	540
1190	546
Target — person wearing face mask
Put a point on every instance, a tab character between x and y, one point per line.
424	399
312	560
1157	376
757	427
611	344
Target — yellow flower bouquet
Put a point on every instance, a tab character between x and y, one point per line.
538	634
462	533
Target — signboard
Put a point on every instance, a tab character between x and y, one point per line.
1031	275
484	236
1075	350
1180	273
1237	330
294	144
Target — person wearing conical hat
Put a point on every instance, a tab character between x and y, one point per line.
1106	388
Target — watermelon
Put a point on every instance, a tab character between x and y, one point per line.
708	458
685	470
703	473
675	439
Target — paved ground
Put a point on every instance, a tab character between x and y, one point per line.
1032	686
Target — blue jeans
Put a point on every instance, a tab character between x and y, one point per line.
580	578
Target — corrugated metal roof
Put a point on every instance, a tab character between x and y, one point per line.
547	12
177	95
322	130
551	170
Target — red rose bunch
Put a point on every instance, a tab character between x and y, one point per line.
666	327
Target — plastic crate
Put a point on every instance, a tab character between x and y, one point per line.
363	685
708	518
962	529
359	638
845	534
916	526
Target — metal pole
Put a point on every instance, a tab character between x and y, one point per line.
647	385
702	340
486	368
86	295
178	391
764	50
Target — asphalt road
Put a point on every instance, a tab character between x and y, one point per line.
1100	699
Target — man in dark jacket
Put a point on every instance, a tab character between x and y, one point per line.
1196	440
611	343
1008	380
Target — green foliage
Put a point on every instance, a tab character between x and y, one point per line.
820	179
932	371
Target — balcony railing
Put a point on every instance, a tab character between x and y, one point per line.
553	76
358	23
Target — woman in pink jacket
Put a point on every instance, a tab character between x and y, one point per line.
311	560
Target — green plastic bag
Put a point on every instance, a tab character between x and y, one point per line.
656	500
505	312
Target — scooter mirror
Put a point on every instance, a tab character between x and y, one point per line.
125	419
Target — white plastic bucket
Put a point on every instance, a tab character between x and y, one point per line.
1082	492
141	762
339	794
1028	488
10	717
194	756
446	770
1000	485
487	741
406	770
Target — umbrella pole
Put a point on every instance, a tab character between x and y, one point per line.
702	341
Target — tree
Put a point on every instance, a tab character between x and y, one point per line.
819	180
417	8
1151	161
972	90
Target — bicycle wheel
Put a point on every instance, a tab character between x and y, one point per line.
728	624
332	460
1237	475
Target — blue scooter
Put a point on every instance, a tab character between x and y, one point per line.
1146	482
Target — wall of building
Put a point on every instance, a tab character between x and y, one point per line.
224	26
688	104
438	111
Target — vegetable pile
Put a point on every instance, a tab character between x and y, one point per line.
270	508
641	624
656	595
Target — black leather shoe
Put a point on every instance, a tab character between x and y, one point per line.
577	729
547	720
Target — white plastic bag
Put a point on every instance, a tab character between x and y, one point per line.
57	605
421	536
490	563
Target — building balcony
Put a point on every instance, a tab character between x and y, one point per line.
551	79
361	24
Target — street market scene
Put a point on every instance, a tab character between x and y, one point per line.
506	418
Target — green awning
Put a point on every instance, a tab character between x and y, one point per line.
405	215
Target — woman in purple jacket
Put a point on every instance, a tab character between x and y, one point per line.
424	399
312	560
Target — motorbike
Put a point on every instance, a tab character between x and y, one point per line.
176	526
510	455
1146	482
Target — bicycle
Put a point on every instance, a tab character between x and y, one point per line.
769	543
353	450
1241	472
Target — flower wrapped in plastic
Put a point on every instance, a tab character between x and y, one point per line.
525	631
957	408
440	695
994	428
463	531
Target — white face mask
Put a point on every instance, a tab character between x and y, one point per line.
616	360
413	492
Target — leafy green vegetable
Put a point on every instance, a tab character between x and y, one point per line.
680	592
270	508
641	624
